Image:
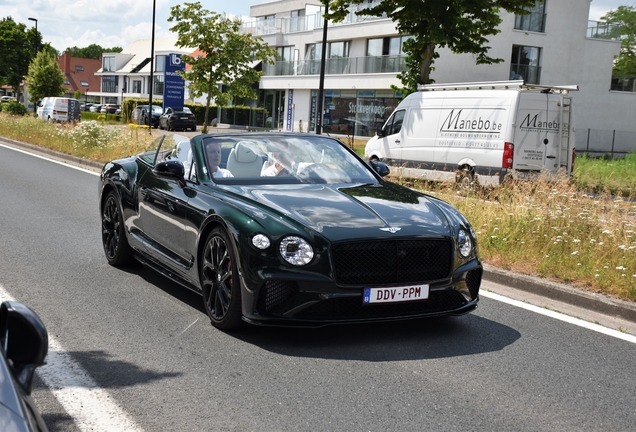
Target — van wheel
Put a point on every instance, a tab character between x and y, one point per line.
465	178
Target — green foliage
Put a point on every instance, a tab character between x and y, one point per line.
103	118
92	51
45	77
461	26
13	108
616	176
77	94
226	55
17	47
625	17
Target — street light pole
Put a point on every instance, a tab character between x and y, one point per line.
152	58
321	85
35	43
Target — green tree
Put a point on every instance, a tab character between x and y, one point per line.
17	47
45	77
460	25
625	18
77	94
225	55
92	51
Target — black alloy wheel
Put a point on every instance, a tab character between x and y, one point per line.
220	282
118	251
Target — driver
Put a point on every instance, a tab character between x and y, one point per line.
213	155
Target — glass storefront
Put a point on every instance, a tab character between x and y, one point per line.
354	112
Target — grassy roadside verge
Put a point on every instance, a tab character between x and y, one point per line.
576	232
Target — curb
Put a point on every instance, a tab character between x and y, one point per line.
597	302
600	303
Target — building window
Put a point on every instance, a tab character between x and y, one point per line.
108	64
526	64
336	59
84	83
136	86
385	55
161	64
158	87
79	68
285	60
109	84
66	82
534	20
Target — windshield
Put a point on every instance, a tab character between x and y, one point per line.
157	109
281	158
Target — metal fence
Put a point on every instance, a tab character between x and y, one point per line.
597	142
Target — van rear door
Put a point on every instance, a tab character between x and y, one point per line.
542	141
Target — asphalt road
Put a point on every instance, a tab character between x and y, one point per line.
147	344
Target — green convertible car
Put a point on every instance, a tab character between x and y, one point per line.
287	229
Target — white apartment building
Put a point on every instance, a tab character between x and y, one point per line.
127	74
554	45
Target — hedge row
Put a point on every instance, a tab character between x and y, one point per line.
235	115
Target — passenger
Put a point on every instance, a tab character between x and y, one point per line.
213	154
280	167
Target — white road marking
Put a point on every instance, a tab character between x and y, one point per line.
559	316
50	160
90	406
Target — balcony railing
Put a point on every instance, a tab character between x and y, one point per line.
333	66
534	22
623	83
603	30
299	24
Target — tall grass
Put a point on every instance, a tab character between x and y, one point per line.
554	230
89	139
576	232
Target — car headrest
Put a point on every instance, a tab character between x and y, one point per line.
244	153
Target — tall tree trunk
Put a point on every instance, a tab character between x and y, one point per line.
427	60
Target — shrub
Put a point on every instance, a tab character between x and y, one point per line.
14	108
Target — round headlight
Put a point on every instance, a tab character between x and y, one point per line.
260	241
296	251
464	244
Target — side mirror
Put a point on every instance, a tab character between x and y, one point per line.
24	340
380	167
379	131
171	169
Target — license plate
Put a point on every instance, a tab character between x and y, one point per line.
396	294
184	118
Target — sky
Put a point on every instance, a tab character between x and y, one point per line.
110	23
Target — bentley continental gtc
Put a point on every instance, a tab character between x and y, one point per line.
287	229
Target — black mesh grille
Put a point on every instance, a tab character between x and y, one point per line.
276	293
473	280
391	262
352	307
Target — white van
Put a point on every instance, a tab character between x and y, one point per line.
59	109
480	132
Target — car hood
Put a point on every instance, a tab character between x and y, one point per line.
381	210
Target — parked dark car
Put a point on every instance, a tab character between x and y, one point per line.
87	106
109	108
325	241
24	343
178	118
140	115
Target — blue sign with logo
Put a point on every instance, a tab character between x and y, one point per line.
173	84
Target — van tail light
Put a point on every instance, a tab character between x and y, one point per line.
508	155
54	112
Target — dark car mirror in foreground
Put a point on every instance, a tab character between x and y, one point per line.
380	167
24	340
172	169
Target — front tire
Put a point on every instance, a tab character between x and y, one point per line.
118	251
220	283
